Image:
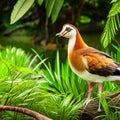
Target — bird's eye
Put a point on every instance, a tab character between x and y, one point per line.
68	29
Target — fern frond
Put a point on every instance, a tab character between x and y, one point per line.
112	24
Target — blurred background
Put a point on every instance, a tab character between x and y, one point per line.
36	29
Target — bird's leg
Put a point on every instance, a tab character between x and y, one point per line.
91	87
100	90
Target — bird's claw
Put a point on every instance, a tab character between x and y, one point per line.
86	103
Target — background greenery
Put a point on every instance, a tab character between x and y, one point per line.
31	78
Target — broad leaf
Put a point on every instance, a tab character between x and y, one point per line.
20	8
53	8
49	6
56	9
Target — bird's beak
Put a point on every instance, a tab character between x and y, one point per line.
58	35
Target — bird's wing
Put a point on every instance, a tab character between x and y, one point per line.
100	63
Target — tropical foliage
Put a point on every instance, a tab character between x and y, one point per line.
113	24
20	9
31	81
22	6
17	81
55	92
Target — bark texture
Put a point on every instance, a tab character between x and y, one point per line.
91	110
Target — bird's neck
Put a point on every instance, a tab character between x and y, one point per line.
76	43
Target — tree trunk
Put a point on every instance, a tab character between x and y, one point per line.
91	110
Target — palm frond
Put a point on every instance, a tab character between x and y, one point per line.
112	24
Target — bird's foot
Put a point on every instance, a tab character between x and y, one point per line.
86	103
99	108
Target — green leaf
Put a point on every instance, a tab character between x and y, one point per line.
57	66
114	1
53	8
49	7
106	108
115	9
56	9
20	8
24	69
67	100
40	2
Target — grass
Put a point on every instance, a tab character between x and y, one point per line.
30	81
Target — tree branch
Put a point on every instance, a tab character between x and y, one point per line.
26	111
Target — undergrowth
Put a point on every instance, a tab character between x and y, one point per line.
28	81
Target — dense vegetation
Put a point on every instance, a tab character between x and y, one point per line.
27	81
30	80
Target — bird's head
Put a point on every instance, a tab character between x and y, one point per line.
68	31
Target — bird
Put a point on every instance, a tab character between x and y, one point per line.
88	63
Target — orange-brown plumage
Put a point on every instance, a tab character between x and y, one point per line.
79	44
94	59
78	65
97	62
89	63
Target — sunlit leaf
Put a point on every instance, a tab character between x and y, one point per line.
24	69
114	1
20	8
115	9
67	100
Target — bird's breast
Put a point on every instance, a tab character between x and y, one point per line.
78	62
79	68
